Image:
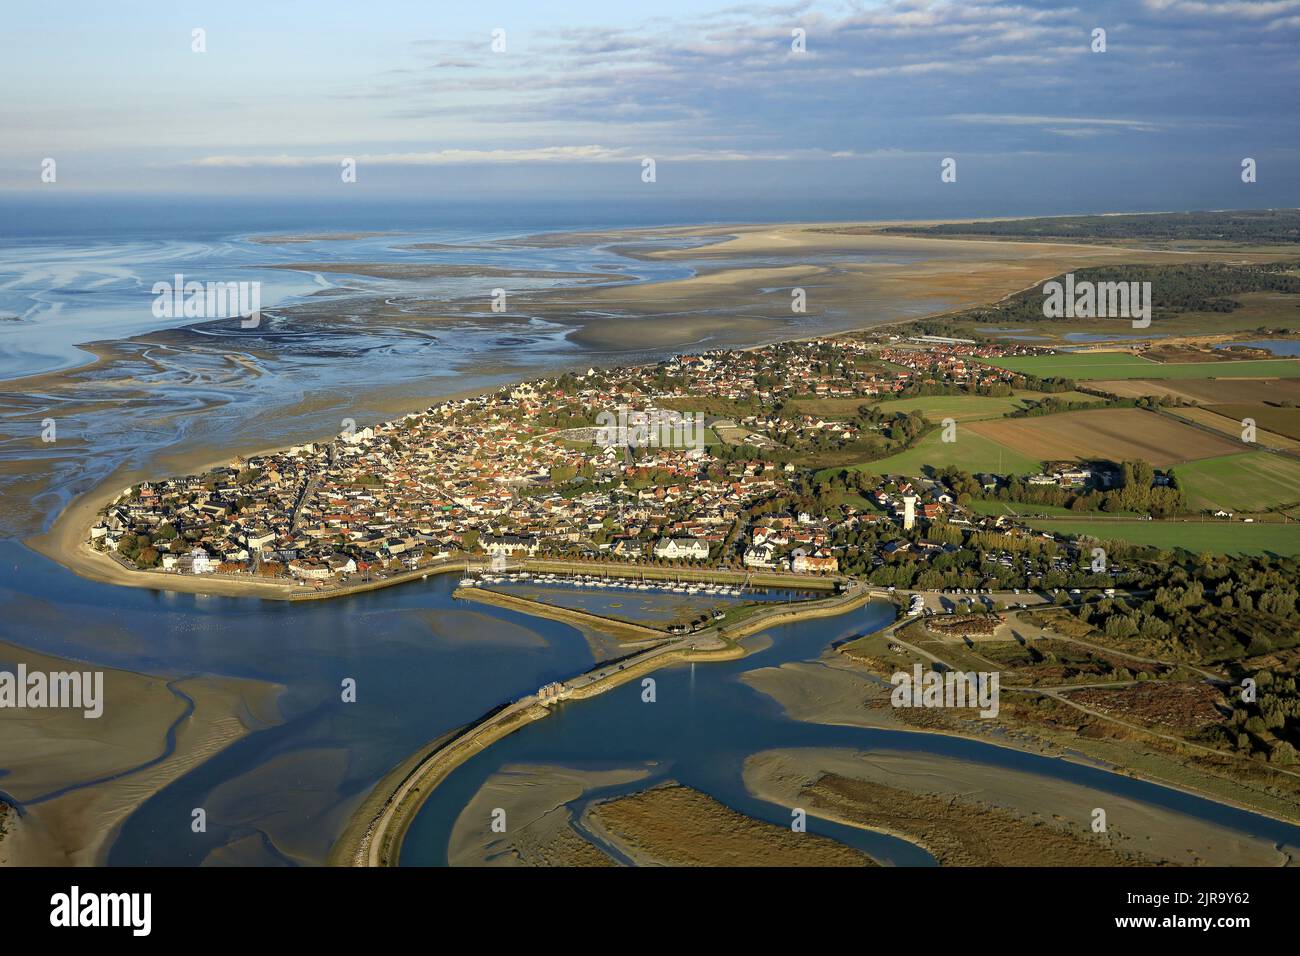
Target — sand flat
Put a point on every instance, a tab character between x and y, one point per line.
538	824
1016	802
52	750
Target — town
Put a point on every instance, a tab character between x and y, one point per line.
524	472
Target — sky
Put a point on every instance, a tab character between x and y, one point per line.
583	92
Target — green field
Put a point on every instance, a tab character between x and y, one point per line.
1219	537
970	452
962	408
1250	481
1119	365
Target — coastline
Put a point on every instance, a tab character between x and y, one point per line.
377	828
982	278
375	833
833	661
66	542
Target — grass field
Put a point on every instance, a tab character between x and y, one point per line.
962	408
1219	537
971	452
1115	434
1122	365
1248	481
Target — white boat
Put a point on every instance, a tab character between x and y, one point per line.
468	583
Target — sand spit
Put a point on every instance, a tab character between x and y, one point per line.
971	814
78	779
530	803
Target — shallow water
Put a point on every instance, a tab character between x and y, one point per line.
706	721
423	662
1279	347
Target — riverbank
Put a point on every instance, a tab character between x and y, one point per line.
969	814
834	690
623	630
373	836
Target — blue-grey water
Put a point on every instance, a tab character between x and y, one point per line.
1280	347
706	721
74	272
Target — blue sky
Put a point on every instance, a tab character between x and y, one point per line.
714	93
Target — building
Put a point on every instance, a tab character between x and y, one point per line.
909	512
821	563
681	548
509	544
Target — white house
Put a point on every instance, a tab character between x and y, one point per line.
509	544
681	548
200	562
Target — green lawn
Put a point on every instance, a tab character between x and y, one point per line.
1250	481
970	452
1120	365
1219	537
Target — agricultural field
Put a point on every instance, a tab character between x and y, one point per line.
971	452
962	408
1210	416
1280	421
1213	535
1248	481
1122	365
1209	392
1115	434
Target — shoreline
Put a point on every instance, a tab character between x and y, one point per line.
374	834
65	539
1040	746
